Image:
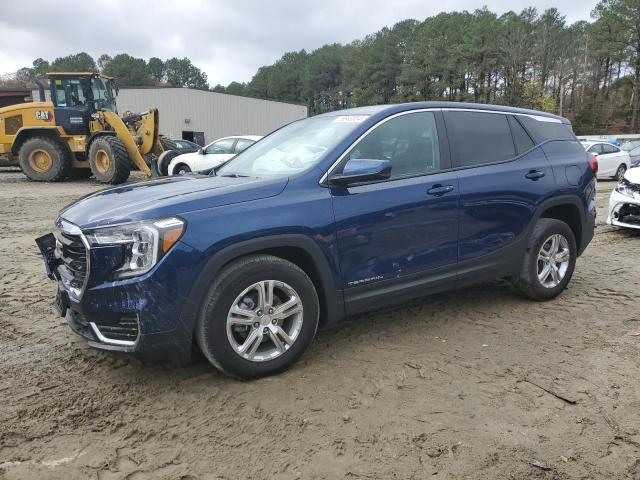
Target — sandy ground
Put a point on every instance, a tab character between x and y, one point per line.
473	384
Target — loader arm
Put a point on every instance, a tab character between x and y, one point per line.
124	134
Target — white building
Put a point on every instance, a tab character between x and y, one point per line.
204	116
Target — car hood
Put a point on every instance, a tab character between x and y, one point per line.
633	175
167	196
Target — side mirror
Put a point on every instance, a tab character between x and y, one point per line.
201	151
595	154
359	170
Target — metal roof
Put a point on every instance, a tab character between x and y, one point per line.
78	74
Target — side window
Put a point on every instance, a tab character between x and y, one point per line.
69	93
409	141
597	148
242	144
610	149
479	138
221	147
520	137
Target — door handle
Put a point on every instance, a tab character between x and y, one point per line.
439	190
535	175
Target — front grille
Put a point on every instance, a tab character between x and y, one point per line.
73	256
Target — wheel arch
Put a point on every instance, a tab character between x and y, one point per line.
568	209
171	170
95	136
26	133
298	249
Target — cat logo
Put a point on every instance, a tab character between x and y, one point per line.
43	115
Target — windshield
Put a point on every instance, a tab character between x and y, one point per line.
292	149
103	94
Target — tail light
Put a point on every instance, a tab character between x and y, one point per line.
593	162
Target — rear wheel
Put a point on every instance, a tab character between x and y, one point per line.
622	169
549	262
109	160
259	316
44	159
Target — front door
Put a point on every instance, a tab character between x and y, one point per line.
404	229
72	104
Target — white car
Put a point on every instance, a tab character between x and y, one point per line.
624	203
212	155
612	161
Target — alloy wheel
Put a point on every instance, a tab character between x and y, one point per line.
553	260
265	320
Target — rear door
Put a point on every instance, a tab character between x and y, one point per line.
399	237
614	157
502	176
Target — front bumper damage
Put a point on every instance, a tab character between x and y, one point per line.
139	315
624	211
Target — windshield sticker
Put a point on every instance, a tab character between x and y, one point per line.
350	118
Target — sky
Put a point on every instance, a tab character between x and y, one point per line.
227	39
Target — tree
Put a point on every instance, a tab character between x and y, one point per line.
622	17
79	62
156	69
235	88
128	71
182	73
40	68
103	61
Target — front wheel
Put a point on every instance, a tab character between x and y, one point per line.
549	262
181	169
622	169
259	316
109	160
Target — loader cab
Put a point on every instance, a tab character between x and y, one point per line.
76	96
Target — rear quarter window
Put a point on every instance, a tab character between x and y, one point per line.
542	131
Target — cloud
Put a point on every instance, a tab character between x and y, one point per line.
227	39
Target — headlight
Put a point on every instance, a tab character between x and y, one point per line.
627	188
145	243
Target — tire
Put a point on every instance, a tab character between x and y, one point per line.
109	160
162	164
214	336
528	282
181	169
622	169
44	159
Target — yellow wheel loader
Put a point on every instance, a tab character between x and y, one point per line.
79	132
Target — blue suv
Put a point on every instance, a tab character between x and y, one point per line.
326	217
